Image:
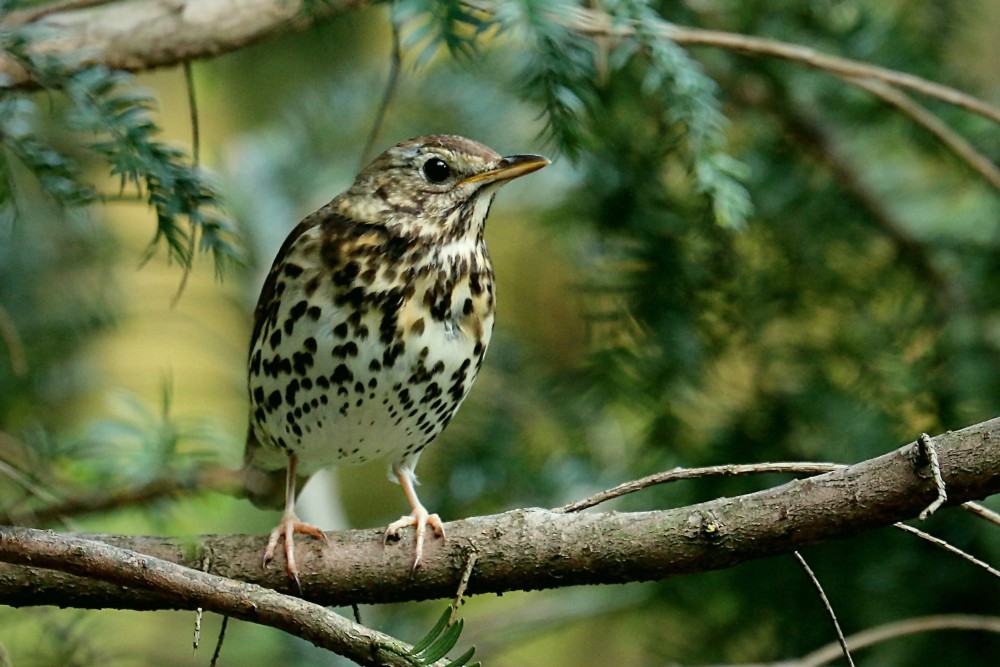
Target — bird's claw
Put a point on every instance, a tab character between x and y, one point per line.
286	528
419	519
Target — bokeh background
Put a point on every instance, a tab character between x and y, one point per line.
857	308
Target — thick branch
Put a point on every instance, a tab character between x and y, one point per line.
139	35
530	549
190	588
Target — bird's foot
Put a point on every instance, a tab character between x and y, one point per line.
287	527
420	519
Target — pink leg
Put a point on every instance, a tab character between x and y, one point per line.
420	518
288	526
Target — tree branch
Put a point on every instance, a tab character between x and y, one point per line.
532	549
138	35
190	588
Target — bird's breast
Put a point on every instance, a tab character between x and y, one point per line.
368	358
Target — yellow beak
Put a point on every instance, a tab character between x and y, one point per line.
509	168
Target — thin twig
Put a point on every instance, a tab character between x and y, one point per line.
391	85
928	450
218	642
213	478
597	22
196	159
463	583
199	613
921	116
982	512
826	603
938	542
695	473
910	626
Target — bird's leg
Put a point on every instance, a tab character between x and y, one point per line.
288	526
420	518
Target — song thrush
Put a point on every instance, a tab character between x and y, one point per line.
372	325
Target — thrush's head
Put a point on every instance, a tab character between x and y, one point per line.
437	188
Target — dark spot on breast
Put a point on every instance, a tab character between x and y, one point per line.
302	361
311	286
314	312
432	391
298	310
290	391
467	307
359	388
274	399
309	344
347	274
340	331
392	353
341	374
275	338
258	395
292	270
390	315
375	366
322	382
418	327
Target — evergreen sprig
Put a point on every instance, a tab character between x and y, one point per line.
691	102
115	118
438	641
558	70
454	24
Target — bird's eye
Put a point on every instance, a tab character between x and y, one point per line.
436	170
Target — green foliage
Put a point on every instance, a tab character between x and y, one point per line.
439	640
113	119
691	102
454	24
557	70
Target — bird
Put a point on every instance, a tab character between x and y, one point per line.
372	325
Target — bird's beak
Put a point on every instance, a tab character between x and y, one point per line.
509	168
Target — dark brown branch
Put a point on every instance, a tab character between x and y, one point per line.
189	589
531	549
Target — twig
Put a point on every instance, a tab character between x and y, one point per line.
695	473
199	613
391	85
982	512
911	626
929	451
222	480
218	642
463	583
920	115
938	542
829	607
248	602
597	22
192	100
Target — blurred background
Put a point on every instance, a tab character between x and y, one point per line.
857	307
